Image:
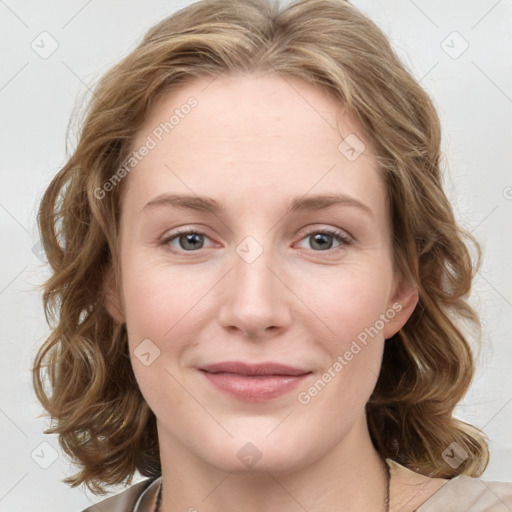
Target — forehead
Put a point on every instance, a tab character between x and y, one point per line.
246	134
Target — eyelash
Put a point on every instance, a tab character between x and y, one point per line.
339	236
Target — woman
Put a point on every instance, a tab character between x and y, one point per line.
258	277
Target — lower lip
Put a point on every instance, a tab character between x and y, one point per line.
257	388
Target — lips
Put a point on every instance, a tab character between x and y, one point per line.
254	382
246	369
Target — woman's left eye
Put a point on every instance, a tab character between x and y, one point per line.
324	239
321	240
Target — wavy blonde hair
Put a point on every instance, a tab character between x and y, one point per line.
82	373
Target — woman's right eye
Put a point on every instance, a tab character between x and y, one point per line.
187	240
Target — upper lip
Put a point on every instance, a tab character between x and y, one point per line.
253	369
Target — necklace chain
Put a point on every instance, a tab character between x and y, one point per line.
386	501
158	497
388	483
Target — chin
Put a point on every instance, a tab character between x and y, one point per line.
253	454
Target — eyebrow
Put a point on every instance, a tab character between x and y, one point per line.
207	204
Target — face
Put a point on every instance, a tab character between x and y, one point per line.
256	311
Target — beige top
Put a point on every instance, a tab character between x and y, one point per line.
460	494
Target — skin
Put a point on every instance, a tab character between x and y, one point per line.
253	143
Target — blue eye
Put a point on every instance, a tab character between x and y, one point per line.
189	240
321	239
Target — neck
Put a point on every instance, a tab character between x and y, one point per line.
347	477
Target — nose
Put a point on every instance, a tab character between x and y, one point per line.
256	297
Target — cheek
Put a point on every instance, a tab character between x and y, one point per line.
157	298
159	313
351	304
165	311
351	309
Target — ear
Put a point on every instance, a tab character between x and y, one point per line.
112	298
400	308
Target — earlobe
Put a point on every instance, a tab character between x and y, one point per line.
112	299
400	308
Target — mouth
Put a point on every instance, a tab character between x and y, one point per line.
254	382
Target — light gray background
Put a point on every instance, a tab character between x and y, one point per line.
473	93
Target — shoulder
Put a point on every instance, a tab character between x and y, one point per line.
464	493
415	492
133	499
